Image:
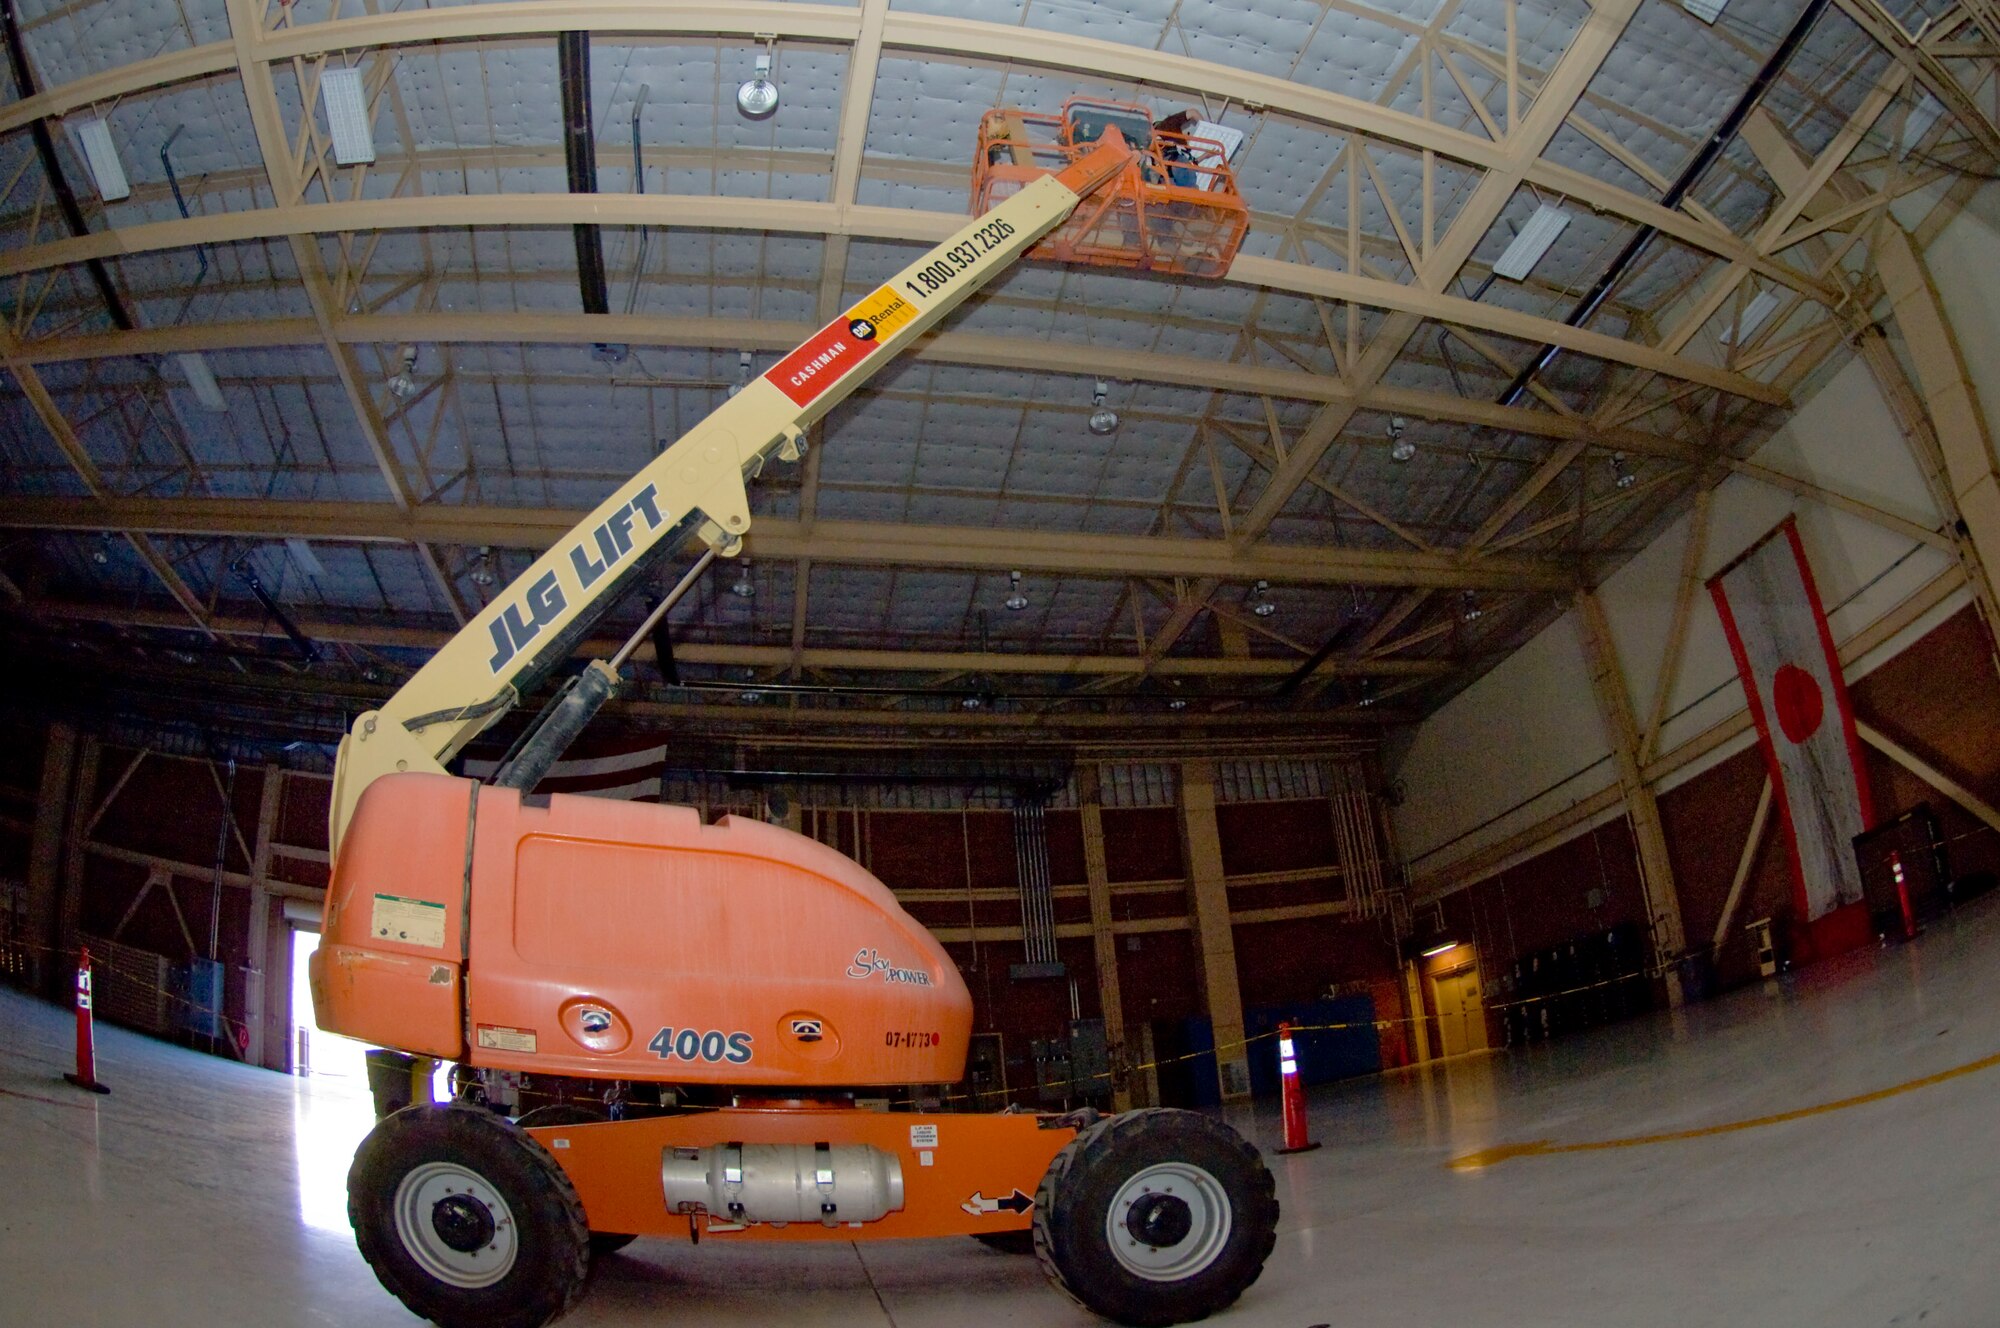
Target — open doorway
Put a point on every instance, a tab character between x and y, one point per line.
1461	1012
317	1054
331	1109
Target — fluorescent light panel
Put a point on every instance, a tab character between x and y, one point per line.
195	369
347	116
1754	313
1533	241
1706	10
93	138
1919	121
1231	139
307	560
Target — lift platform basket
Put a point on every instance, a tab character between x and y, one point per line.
1174	209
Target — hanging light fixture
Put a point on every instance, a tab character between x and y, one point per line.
482	571
744	588
1015	599
1470	610
1260	600
1400	448
1364	692
758	96
1177	703
1103	419
1626	479
968	703
404	385
102	553
742	373
750	696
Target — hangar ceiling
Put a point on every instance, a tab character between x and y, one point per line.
1391	152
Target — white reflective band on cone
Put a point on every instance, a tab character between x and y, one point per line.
1289	1066
1285	1048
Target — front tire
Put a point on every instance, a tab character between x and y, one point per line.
1155	1217
467	1220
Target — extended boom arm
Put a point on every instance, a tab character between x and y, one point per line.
696	485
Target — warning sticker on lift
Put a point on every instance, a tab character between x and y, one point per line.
829	354
496	1037
411	921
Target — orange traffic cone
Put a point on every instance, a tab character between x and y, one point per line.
86	1042
1294	1096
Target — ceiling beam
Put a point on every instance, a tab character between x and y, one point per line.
1522	147
828	542
302	221
381	635
969	39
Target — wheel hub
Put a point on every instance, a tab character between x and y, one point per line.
1159	1220
455	1224
462	1222
1168	1222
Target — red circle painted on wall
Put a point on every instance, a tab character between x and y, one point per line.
1800	706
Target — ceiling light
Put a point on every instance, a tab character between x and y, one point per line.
1178	703
482	571
1400	448
1761	306
1260	603
102	553
404	385
1015	599
1364	692
742	373
1103	419
207	391
1470	610
1533	241
758	96
93	138
750	697
968	703
1706	10
1442	947
744	588
1626	479
346	103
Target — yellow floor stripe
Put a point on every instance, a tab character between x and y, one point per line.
1487	1157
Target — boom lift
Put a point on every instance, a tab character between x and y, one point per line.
757	977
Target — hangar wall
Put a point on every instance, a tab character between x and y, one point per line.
137	862
1510	791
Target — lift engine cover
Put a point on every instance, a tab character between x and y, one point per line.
628	940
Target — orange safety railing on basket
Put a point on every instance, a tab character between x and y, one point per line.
1174	209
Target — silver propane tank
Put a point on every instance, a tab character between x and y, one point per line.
827	1183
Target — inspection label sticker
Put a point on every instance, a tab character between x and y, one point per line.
497	1037
412	921
923	1136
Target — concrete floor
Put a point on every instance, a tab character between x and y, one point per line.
202	1193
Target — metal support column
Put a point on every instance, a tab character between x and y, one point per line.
1104	941
1214	937
1656	872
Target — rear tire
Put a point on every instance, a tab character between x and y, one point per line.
571	1113
1155	1217
467	1220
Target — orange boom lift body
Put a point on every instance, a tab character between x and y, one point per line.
761	975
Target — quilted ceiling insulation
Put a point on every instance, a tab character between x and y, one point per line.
1347	477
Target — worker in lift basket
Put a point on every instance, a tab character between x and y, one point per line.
1180	159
